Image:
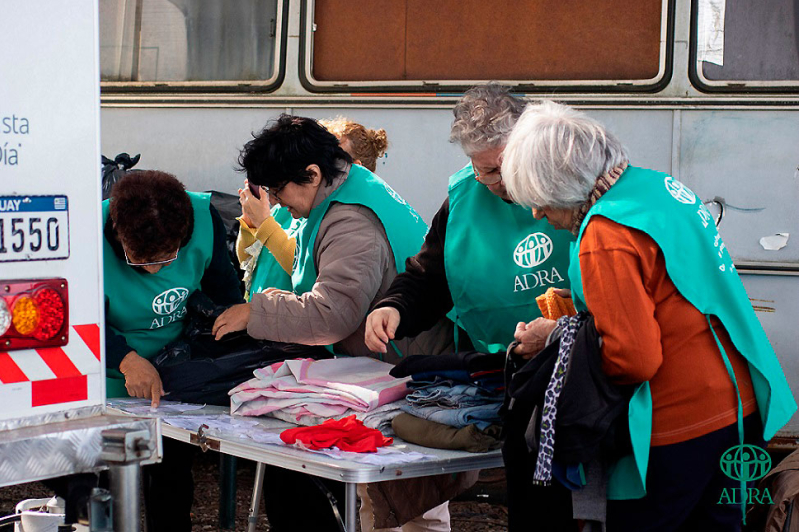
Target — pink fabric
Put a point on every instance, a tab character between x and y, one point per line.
323	388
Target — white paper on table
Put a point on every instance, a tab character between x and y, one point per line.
775	242
142	406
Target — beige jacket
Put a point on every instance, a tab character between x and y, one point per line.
356	267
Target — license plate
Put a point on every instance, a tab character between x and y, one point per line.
34	228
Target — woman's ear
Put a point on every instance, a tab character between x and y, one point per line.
315	174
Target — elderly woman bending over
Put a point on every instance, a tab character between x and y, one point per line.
673	314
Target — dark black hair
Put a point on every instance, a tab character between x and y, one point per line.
284	149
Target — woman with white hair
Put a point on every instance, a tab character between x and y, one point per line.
674	317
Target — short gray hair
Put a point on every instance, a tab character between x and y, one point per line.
484	117
555	155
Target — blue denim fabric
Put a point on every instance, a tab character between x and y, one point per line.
447	396
482	415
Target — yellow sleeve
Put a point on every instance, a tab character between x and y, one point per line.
244	240
275	239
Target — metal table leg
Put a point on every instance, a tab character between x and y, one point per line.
257	494
350	502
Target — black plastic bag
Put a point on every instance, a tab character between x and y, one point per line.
199	369
114	170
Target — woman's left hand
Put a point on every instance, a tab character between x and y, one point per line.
254	210
233	319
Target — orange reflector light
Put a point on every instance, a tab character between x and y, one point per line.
33	313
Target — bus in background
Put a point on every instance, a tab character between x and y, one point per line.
706	90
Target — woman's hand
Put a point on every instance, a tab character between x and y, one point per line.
532	337
233	319
381	325
254	210
141	378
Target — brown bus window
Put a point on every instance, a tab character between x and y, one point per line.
414	40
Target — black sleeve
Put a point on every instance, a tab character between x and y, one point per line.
421	293
220	281
116	347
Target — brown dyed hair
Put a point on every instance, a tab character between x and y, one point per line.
151	213
366	145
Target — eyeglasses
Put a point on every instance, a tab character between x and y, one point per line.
154	263
275	191
487	178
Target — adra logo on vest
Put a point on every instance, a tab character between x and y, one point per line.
169	304
679	191
533	250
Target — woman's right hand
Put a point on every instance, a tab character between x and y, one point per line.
381	325
254	210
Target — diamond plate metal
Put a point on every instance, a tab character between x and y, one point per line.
34	453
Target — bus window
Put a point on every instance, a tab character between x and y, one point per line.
745	46
363	45
198	43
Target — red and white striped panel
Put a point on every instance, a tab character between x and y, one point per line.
56	374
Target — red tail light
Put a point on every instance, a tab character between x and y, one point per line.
33	313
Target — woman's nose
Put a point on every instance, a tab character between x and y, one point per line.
538	213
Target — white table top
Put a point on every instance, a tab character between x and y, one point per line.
293	458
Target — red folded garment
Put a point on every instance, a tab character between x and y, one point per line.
348	434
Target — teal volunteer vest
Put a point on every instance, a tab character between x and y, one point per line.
701	268
148	309
498	259
268	273
404	227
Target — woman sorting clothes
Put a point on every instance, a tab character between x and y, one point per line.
674	317
354	235
265	225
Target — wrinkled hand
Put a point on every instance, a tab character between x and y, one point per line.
564	292
141	378
254	210
532	337
233	319
381	325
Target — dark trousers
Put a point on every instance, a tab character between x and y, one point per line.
169	489
684	486
295	503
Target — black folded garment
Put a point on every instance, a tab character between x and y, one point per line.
474	362
196	368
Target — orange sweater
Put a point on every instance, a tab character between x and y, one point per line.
652	333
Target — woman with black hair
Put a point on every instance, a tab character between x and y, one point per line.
355	233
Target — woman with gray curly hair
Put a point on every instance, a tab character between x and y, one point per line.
675	320
479	230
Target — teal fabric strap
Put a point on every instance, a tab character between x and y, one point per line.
731	373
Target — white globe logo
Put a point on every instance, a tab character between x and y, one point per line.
533	250
168	301
393	194
679	191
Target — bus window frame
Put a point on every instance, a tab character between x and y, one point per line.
656	84
261	86
703	84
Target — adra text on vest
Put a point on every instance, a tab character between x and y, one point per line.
166	320
9	149
536	279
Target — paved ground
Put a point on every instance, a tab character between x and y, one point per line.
479	510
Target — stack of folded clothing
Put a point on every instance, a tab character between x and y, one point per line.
454	402
309	392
